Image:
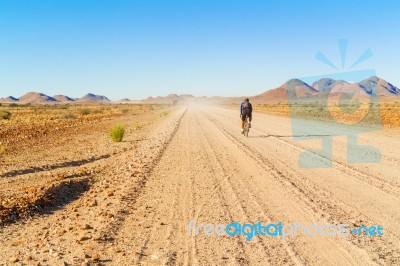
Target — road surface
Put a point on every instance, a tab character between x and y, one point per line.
212	174
136	205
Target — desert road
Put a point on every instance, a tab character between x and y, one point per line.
200	168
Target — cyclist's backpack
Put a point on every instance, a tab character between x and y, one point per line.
246	105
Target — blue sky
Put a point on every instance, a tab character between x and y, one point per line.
137	49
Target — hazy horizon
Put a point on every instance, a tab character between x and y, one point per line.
309	82
137	49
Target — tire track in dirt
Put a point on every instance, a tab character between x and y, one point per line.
201	176
275	251
272	259
84	226
300	195
152	234
135	191
321	199
365	178
242	255
194	188
392	188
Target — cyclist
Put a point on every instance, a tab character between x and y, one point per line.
246	109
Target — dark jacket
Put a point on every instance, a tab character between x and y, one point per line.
249	109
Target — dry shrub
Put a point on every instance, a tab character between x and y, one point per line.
85	111
117	133
3	149
67	115
5	115
97	111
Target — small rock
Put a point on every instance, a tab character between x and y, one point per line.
95	257
13	260
83	238
61	231
93	203
87	227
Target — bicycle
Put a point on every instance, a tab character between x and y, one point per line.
247	126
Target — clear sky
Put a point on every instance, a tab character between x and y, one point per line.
137	49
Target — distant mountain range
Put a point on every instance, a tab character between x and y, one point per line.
373	87
63	98
94	98
37	98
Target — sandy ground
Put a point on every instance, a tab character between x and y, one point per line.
195	164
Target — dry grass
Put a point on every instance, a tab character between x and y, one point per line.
125	110
2	150
5	115
26	113
33	124
67	115
85	111
387	113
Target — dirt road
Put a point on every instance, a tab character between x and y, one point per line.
201	168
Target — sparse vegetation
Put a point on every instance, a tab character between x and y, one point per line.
5	115
29	133
125	110
36	124
117	133
97	111
67	115
165	113
13	105
84	111
2	149
387	114
39	109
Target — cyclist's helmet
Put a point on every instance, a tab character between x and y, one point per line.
246	100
